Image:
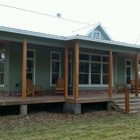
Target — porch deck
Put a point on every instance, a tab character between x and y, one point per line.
4	101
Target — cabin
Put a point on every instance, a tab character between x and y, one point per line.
90	65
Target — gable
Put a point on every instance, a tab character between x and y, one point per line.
98	32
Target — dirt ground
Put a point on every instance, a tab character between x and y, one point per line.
14	120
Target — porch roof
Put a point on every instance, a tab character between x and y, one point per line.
65	38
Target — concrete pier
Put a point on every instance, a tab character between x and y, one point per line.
72	108
23	109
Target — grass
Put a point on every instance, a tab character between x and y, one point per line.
99	125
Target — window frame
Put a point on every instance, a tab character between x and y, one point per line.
127	66
51	66
34	59
2	85
96	32
101	73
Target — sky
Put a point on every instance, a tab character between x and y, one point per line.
119	17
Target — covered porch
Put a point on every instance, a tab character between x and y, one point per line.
111	51
76	45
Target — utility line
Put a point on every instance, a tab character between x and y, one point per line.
137	39
43	14
84	27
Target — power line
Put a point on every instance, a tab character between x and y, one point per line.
137	39
84	27
43	14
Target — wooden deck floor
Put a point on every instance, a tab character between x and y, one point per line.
60	98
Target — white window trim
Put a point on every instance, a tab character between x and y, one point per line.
95	85
51	66
97	32
34	59
3	85
125	70
70	69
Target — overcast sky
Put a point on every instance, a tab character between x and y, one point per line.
121	18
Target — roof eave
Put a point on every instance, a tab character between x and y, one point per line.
31	33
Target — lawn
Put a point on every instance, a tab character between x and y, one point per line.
99	125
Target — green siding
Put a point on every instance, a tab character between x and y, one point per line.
43	61
43	48
94	45
103	34
123	49
106	47
15	62
121	69
13	66
42	66
31	39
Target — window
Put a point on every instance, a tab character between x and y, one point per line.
83	72
69	68
96	35
2	64
30	64
55	67
93	69
128	70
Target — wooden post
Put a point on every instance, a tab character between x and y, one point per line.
24	68
76	69
136	75
126	101
110	73
66	73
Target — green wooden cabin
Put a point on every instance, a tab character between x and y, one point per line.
46	61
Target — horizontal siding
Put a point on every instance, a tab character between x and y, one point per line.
42	73
13	64
42	66
15	67
121	69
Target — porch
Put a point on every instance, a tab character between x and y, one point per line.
5	101
101	67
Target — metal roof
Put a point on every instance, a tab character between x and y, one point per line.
31	33
65	38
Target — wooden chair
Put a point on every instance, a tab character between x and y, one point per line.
132	83
59	86
120	88
31	89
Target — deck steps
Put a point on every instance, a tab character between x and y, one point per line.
134	105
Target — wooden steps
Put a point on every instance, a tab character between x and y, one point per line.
134	105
